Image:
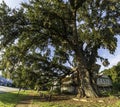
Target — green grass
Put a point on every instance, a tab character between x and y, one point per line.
60	101
64	104
54	104
10	99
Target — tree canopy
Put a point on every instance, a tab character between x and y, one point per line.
45	39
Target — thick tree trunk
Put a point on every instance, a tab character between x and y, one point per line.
85	86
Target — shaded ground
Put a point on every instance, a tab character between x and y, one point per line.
84	102
26	102
70	101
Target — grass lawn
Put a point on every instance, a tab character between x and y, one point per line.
67	101
71	103
10	99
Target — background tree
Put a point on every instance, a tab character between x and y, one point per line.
51	38
114	73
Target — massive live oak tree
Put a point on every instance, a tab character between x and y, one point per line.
45	40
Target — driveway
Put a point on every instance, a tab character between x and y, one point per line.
7	89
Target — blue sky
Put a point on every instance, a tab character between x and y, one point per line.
113	59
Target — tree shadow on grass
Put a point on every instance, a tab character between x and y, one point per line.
11	98
53	98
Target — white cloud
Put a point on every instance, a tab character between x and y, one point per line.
113	59
13	3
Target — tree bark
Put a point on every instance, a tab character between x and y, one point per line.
85	87
84	81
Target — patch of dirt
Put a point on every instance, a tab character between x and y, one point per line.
26	102
97	100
